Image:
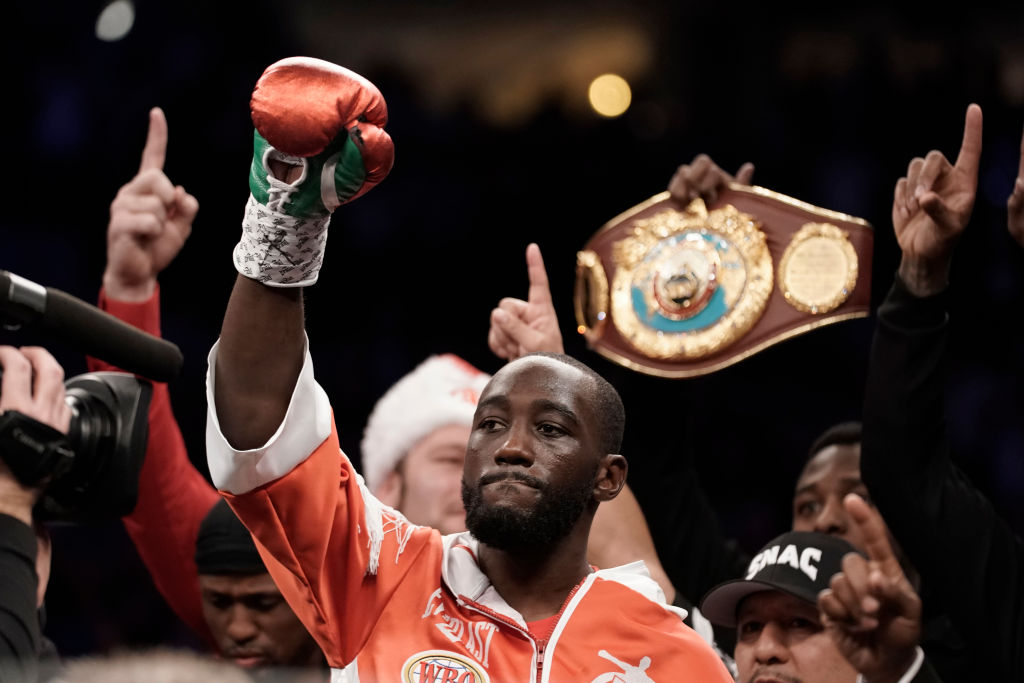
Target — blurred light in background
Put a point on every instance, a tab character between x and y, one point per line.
610	95
115	21
504	64
1011	74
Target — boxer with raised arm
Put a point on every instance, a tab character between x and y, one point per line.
512	599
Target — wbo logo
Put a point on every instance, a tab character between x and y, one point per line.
442	666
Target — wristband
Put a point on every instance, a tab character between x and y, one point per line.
280	250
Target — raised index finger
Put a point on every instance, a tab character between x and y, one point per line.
876	538
540	290
970	149
155	151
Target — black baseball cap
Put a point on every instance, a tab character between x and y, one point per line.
800	563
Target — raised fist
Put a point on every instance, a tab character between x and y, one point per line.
326	118
319	143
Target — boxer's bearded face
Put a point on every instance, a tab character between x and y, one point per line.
533	456
551	517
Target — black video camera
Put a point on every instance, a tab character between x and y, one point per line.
92	473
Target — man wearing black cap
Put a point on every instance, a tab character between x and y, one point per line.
245	612
811	608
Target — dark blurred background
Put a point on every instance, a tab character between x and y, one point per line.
496	146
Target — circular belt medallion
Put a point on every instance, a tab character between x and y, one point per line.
690	283
818	270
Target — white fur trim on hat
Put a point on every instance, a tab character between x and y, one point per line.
442	390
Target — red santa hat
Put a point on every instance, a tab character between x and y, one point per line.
440	391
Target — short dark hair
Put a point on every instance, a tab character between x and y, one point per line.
610	410
840	434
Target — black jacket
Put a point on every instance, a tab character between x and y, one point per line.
970	561
20	638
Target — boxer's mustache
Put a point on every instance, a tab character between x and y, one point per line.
512	475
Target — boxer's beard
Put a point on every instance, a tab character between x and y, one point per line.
550	519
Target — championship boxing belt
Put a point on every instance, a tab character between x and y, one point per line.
680	291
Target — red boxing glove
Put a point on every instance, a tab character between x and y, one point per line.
328	121
300	105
